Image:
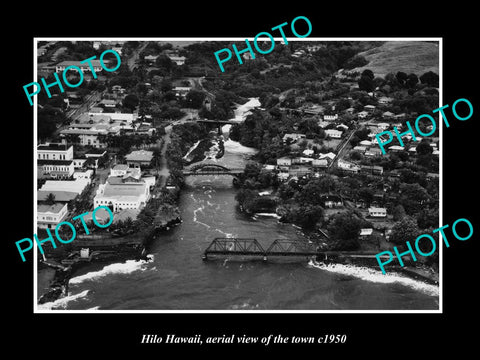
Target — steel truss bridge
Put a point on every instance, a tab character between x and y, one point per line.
279	247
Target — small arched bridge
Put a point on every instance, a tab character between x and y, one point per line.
211	169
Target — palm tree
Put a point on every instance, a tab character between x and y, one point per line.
156	158
50	200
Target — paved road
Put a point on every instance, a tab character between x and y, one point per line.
131	61
340	152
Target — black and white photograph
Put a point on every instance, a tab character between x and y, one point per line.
269	186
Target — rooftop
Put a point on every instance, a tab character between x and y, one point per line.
54	209
120	167
116	190
95	63
140	155
60	196
53	147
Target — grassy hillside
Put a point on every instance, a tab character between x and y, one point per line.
416	57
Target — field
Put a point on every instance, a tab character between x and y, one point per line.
416	57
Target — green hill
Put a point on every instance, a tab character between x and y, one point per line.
416	57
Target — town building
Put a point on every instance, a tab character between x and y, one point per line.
284	161
384	100
60	195
362	114
348	166
181	91
320	163
49	216
371	169
90	134
388	115
56	169
150	58
373	151
85	67
293	137
396	148
87	174
77	186
121	196
179	60
331	201
330	117
139	158
334	134
298	170
377	212
54	151
365	233
119	117
312	110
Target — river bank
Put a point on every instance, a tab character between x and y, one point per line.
267	206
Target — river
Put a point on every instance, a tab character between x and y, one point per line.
176	277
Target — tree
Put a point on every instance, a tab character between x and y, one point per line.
366	83
368	73
398	213
356	61
411	81
306	216
366	194
166	85
50	200
163	61
130	101
401	77
412	197
405	230
424	148
195	98
430	78
428	218
344	228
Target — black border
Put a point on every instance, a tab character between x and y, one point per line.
375	334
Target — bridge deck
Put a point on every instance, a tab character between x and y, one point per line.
280	247
214	172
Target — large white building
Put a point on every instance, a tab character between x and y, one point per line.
122	196
51	151
128	118
85	67
76	186
56	169
88	134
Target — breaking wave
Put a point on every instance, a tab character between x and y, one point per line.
61	304
118	268
368	274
